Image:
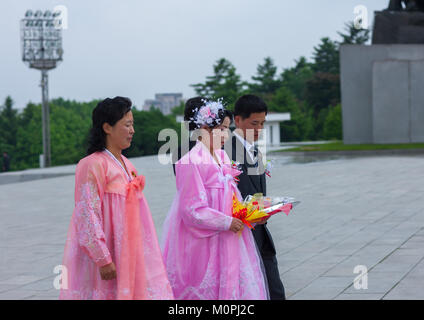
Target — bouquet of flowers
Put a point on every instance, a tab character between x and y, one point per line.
256	208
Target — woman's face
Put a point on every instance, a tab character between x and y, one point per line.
220	133
121	134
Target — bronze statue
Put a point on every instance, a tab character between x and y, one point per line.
401	23
410	5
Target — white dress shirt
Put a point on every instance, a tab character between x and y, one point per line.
249	146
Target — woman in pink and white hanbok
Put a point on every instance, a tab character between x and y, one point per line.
112	250
209	254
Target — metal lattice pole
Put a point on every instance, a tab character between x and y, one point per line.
45	117
42	50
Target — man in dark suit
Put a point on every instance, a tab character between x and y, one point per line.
249	118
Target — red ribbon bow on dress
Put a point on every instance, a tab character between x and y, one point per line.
132	254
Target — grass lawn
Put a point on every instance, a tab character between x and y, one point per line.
339	146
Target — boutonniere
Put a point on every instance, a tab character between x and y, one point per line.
134	175
236	166
268	167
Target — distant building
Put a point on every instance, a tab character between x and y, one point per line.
151	103
272	127
165	102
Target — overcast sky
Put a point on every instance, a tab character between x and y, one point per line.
137	48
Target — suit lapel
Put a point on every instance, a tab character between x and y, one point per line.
241	156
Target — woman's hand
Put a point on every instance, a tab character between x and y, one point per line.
236	225
108	272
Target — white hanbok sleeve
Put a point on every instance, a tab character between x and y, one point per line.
193	206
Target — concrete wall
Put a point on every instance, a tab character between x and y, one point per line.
382	99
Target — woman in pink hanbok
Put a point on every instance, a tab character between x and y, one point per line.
112	250
208	254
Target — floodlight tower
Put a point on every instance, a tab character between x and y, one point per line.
41	39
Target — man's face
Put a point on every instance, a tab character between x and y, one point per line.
251	127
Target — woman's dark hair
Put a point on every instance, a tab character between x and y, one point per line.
107	111
248	104
190	109
194	104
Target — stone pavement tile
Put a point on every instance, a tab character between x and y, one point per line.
7	287
44	297
418	270
17	294
323	294
378	251
389	239
412	281
345	268
412	249
285	265
328	257
42	285
316	245
360	296
378	282
345	248
369	256
51	294
20	280
323	288
398	262
292	285
300	277
308	270
402	292
296	255
294	281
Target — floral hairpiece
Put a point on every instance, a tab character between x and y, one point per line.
208	113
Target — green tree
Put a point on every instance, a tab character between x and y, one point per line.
265	82
295	78
333	123
322	90
354	35
326	57
8	126
147	125
224	83
29	139
178	110
299	126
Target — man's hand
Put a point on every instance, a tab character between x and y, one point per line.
108	272
263	221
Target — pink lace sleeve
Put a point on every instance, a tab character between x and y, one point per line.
194	207
88	214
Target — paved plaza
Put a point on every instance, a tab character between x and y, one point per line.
362	211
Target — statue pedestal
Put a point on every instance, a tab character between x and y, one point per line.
391	27
382	95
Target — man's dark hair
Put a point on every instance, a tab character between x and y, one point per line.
248	104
